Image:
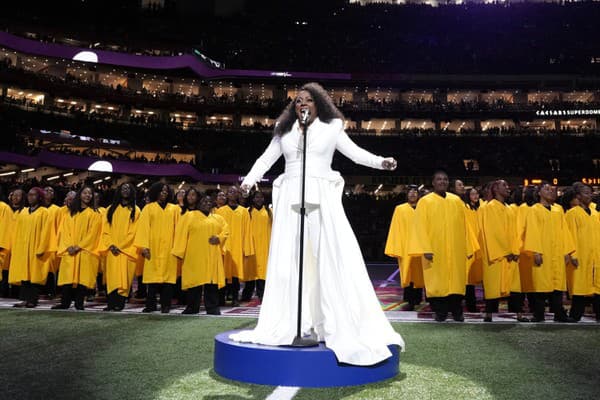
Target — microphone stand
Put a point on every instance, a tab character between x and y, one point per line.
299	341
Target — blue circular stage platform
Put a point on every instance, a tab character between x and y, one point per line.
291	366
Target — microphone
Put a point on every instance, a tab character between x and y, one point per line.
305	114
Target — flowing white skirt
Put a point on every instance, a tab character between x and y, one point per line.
338	300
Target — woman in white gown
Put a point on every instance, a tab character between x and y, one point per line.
338	301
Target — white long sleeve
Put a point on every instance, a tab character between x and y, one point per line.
360	156
264	162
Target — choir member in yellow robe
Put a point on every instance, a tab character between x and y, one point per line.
500	250
528	199
474	264
199	241
445	242
154	237
261	219
31	249
221	199
583	272
54	219
548	239
239	245
399	234
191	197
79	237
7	228
118	234
101	278
6	231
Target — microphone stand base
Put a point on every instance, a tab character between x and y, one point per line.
304	342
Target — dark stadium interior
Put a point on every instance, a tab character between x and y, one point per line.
462	87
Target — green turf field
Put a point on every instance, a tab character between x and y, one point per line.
68	355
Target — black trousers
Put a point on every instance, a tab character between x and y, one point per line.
515	302
413	296
116	301
491	305
248	290
141	288
100	282
4	286
556	304
577	307
232	287
179	294
211	298
249	287
70	293
166	291
30	292
596	306
470	298
443	305
50	288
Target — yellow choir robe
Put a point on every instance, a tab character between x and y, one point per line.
584	280
475	263
82	229
156	231
239	244
500	238
7	218
441	229
202	261
256	265
31	247
102	255
525	258
54	219
120	269
547	233
399	235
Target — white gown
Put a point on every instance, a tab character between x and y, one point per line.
338	300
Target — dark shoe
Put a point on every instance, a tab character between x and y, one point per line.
118	308
564	318
79	307
30	305
522	319
213	312
149	309
188	311
59	307
20	305
459	316
107	308
165	310
536	319
235	303
487	319
439	317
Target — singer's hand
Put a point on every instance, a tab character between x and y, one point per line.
245	190
389	163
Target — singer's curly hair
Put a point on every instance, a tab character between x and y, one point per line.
326	110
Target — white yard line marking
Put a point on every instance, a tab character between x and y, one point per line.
283	393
